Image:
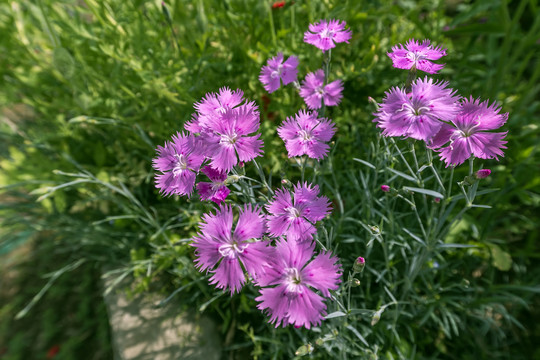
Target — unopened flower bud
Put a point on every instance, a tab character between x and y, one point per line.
385	188
482	173
304	350
319	342
437	200
373	102
232	179
375	230
372	355
286	182
241	164
376	317
166	12
359	264
355	282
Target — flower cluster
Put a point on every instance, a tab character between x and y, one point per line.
225	122
272	245
221	134
231	256
307	134
430	111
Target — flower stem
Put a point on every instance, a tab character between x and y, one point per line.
326	66
263	178
272	28
410	79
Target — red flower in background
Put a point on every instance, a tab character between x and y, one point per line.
53	351
278	4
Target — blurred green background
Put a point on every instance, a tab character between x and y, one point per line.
90	88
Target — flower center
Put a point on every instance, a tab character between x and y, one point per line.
305	135
293	280
277	73
416	56
293	212
327	33
227	139
181	164
467	131
415	109
216	185
320	91
231	251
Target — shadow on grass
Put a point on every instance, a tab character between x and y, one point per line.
70	320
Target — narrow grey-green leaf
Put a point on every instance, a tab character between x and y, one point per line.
403	175
425	191
365	163
335	314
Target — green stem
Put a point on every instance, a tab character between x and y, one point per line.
272	28
403	158
302	163
450	183
263	178
410	78
413	151
326	66
50	30
435	173
419	220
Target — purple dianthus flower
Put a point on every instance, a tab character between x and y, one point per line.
315	92
305	134
215	190
418	114
211	106
294	217
229	139
324	33
277	70
470	134
224	252
288	287
225	123
179	162
416	56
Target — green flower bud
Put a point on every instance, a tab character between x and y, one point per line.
375	230
376	317
232	179
304	350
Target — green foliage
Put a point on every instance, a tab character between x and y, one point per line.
71	316
90	88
